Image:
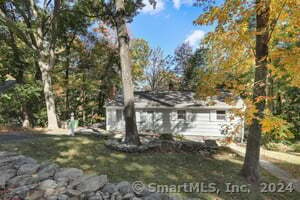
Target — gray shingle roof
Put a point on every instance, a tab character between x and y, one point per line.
175	99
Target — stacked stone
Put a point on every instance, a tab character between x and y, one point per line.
23	178
205	148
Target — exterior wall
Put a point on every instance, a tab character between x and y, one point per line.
198	122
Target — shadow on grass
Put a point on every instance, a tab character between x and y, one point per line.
90	154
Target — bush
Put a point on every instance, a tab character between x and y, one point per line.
275	129
272	146
296	147
166	136
179	137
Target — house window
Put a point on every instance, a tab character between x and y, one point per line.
119	115
221	115
143	116
181	114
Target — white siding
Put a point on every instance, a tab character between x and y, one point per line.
198	122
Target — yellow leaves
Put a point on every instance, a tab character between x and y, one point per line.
276	127
250	111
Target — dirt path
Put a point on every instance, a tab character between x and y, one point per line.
271	168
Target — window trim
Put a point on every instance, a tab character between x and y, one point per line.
222	115
179	114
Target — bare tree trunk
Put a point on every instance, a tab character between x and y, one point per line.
48	93
67	113
131	136
250	168
26	118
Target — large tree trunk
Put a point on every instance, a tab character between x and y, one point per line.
250	168
131	136
48	93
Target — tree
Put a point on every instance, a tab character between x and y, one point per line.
139	51
188	64
251	164
41	38
131	136
118	13
248	47
157	70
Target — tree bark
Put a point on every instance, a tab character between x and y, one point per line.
250	168
48	93
67	105
131	135
26	118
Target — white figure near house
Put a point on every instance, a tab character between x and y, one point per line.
72	125
178	112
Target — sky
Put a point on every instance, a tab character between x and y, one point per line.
169	25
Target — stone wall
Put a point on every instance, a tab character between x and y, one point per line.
22	177
206	148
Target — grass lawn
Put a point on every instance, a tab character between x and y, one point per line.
90	154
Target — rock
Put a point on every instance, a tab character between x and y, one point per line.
95	198
69	173
109	188
53	197
23	161
28	169
143	193
211	143
23	190
136	198
124	187
128	196
48	184
190	146
50	192
119	146
61	190
8	160
7	166
46	171
73	192
62	181
116	196
35	195
105	196
74	198
62	197
21	181
98	125
92	183
157	196
5	175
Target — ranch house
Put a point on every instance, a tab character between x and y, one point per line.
178	112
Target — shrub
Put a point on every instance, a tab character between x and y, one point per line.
179	137
277	147
275	129
296	147
166	136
